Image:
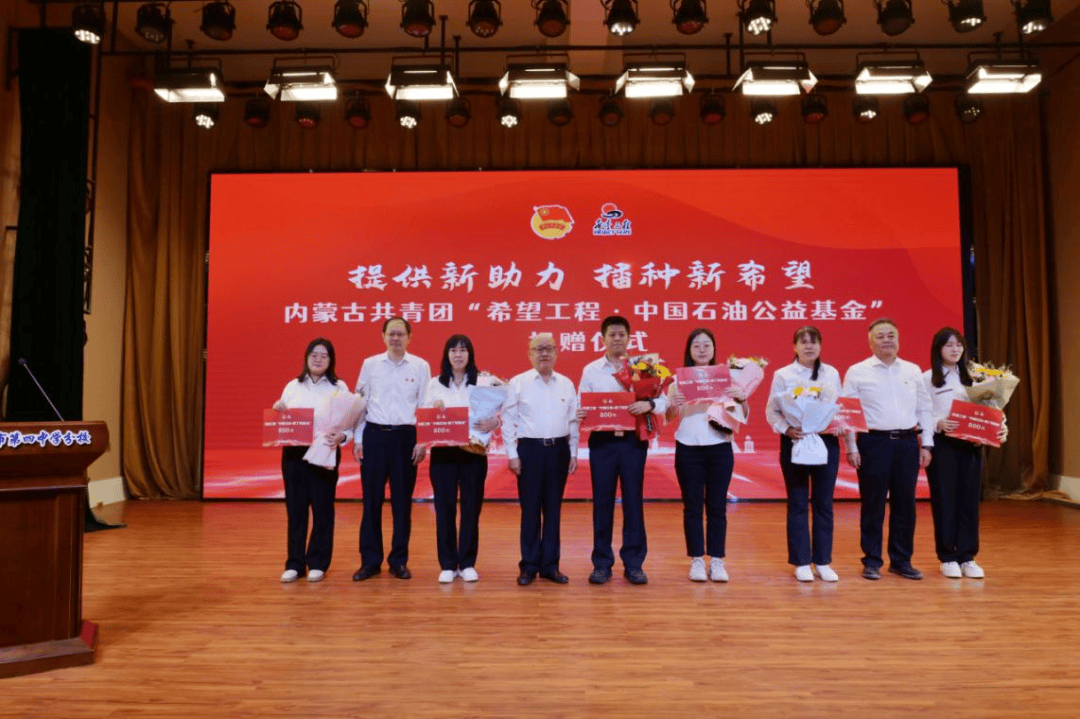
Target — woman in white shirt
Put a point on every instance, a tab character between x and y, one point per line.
807	485
455	469
307	485
704	462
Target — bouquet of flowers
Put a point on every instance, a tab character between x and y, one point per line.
340	411
813	408
747	374
486	400
993	386
647	378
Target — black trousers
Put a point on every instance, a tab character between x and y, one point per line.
452	469
387	458
308	486
889	472
544	468
618	462
810	485
704	475
955	478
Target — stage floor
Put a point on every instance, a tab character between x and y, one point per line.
194	624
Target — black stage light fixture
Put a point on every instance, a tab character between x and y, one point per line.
417	17
757	16
357	112
408	114
153	22
458	112
894	16
763	111
485	17
826	16
257	112
551	17
559	113
206	114
218	20
968	108
285	20
916	108
620	16
814	108
308	115
690	16
611	112
662	111
508	112
350	18
1033	16
865	108
965	15
712	109
88	22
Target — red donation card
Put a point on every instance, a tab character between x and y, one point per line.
288	428
704	384
849	417
606	411
978	423
446	427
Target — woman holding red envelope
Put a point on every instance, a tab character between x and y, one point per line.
704	462
955	472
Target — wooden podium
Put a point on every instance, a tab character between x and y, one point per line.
42	510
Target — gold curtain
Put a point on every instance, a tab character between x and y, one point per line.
171	159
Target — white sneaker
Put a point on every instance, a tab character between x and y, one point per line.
469	574
951	570
717	573
289	576
697	570
826	573
446	576
804	574
972	570
315	575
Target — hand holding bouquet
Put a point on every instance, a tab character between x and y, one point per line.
992	386
747	374
647	378
813	408
340	411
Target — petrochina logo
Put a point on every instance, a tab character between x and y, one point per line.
552	222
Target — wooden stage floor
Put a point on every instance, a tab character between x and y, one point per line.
194	624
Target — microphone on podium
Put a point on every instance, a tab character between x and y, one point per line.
41	389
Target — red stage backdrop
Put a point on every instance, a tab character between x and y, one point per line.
499	256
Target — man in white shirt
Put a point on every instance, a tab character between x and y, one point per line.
539	428
617	458
393	383
888	457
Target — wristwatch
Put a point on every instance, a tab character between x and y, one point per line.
652	404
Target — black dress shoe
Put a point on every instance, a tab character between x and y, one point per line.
365	573
599	576
401	572
871	573
906	571
556	576
525	579
636	576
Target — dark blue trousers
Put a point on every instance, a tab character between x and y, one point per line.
810	485
544	468
955	478
308	486
452	469
618	462
387	458
889	472
704	475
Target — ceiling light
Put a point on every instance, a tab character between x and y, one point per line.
891	78
308	115
417	17
1033	15
655	79
965	15
917	108
508	112
865	108
712	108
88	22
408	114
776	78
814	108
1002	78
611	112
524	81
350	18
257	112
690	16
458	112
894	16
763	111
662	111
358	113
421	82
206	115
968	108
153	22
559	113
485	17
284	20
218	20
621	16
757	16
551	17
301	84
826	16
190	85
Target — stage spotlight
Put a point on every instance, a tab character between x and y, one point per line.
458	112
350	18
508	112
662	111
712	108
358	113
551	18
611	112
206	115
88	22
894	16
485	17
1002	77
969	109
916	108
190	84
763	111
152	22
257	112
966	15
538	81
1033	16
865	108
408	114
621	16
417	17
301	84
284	21
758	16
559	113
814	108
690	16
826	16
218	20
308	115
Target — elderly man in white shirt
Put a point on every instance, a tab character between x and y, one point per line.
898	410
540	432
